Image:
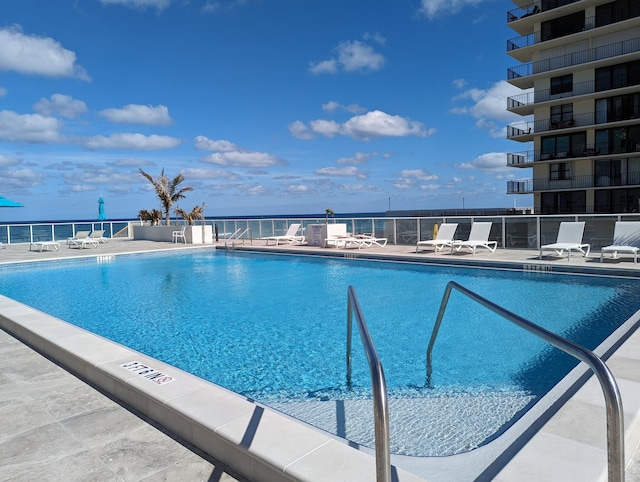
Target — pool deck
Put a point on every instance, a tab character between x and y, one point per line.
58	427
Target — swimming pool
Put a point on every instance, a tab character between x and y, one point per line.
273	328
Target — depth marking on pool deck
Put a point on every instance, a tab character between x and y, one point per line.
149	373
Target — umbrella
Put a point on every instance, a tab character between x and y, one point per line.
101	215
8	203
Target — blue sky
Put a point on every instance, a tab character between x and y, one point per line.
265	106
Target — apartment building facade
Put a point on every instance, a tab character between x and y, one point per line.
580	74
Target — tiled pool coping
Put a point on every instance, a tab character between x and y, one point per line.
270	446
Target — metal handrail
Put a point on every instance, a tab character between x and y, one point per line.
378	386
613	401
237	235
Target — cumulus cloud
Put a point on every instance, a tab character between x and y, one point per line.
489	106
412	178
352	56
209	174
20	179
6	161
3	91
130	141
362	127
138	114
83	180
62	105
33	55
206	144
229	154
341	172
494	163
434	8
139	4
32	128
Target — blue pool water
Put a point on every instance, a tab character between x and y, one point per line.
273	327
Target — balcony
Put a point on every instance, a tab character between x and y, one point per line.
529	186
523	131
535	8
522	75
527	158
523	103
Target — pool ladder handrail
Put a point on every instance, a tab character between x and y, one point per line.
237	235
613	401
378	387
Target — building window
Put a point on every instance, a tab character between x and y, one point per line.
618	140
560	171
561	116
560	27
565	202
608	173
618	76
561	85
560	147
616	12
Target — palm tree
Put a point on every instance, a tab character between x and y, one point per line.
167	190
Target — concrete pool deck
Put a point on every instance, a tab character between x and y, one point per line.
47	404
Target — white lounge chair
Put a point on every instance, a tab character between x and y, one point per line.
289	237
82	243
445	235
369	240
98	236
177	235
626	239
78	236
478	238
569	239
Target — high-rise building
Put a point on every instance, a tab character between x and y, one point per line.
580	72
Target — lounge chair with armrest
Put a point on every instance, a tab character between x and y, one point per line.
569	239
445	235
626	239
478	238
289	237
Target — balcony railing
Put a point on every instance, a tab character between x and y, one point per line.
535	8
527	186
543	36
531	156
577	58
578	120
544	95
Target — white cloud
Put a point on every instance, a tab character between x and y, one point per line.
242	159
433	8
140	4
130	141
352	56
380	124
332	106
418	174
13	179
29	128
206	144
6	161
3	91
32	55
62	105
341	172
489	163
358	158
488	106
229	154
363	127
139	114
209	174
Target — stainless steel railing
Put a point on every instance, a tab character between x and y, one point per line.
378	386
615	422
